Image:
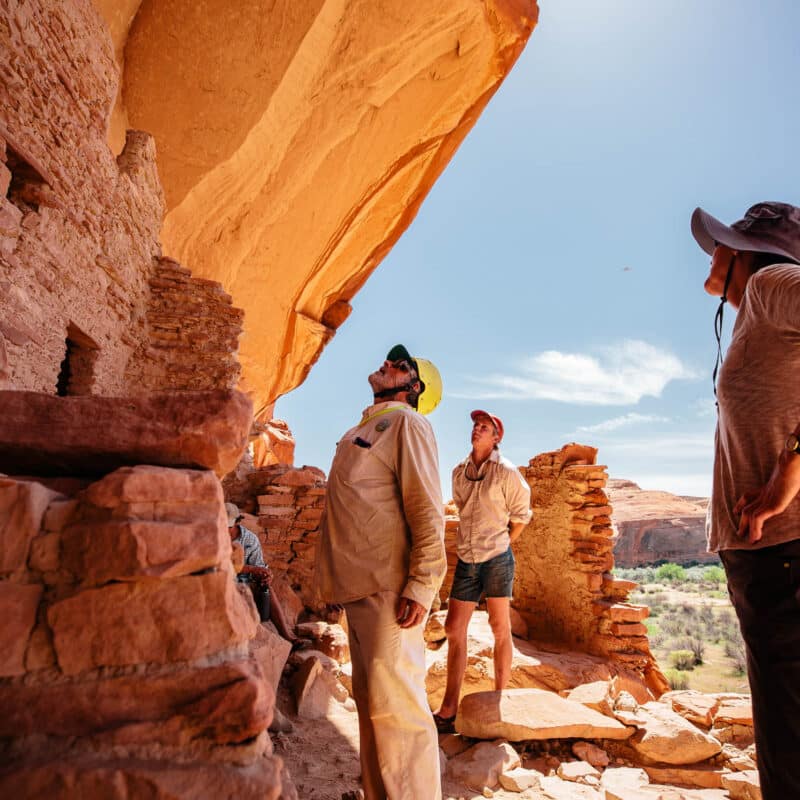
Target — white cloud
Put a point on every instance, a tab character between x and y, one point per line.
677	447
705	407
624	421
692	484
620	374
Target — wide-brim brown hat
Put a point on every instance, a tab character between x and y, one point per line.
765	228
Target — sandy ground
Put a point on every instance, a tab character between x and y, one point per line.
322	757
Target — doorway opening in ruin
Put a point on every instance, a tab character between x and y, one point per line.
76	375
26	184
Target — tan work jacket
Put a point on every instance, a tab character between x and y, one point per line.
383	524
496	495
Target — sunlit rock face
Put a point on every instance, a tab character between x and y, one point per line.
657	526
296	142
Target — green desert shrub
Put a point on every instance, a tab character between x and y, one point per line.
682	659
677	679
670	573
697	647
714	575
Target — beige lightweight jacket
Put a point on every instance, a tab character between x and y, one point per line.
383	524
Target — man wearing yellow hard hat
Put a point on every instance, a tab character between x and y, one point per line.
381	556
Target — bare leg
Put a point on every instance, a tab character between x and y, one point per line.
500	620
459	613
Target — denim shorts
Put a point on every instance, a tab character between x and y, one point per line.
492	578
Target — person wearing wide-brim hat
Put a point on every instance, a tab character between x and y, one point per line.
754	515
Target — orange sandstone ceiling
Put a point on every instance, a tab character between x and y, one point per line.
297	140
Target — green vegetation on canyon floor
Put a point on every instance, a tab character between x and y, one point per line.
692	627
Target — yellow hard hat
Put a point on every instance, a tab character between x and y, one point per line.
428	375
432	393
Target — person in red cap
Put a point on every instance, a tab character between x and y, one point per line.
494	505
754	513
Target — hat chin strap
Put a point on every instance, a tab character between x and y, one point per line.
718	328
385	393
412	395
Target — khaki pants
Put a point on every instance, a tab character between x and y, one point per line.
399	745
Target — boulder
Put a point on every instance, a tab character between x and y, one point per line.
451	744
179	619
596	695
591	753
291	604
520	779
330	664
120	550
328	638
22	507
698	707
664	736
86	776
316	689
554	788
701	776
743	785
531	667
434	627
43	434
225	703
270	650
736	759
18	606
482	765
578	772
523	714
626	783
734	711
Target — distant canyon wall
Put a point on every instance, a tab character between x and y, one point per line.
657	526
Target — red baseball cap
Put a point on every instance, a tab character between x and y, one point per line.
496	421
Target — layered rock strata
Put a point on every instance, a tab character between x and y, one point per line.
657	526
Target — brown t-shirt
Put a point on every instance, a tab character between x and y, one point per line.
759	405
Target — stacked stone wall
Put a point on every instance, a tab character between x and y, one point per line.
286	505
192	334
87	304
564	588
78	231
124	651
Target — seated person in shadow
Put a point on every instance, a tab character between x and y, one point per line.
258	576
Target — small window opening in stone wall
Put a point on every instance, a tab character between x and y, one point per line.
27	185
76	375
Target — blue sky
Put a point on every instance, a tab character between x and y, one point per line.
550	273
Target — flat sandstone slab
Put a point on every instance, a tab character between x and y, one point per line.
43	434
523	714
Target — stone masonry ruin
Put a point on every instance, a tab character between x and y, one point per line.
160	288
158	164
